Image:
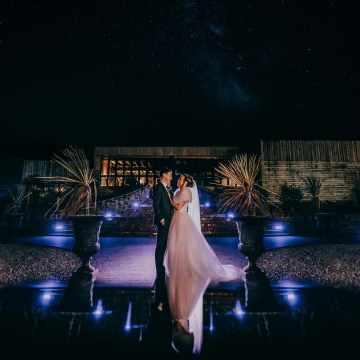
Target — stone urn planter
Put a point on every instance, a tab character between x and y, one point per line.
78	296
75	202
259	296
86	233
251	238
247	198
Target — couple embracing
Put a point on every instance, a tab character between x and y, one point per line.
185	262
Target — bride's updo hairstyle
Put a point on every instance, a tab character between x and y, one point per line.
189	179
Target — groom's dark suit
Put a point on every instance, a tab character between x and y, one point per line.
162	210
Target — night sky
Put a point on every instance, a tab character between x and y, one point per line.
116	73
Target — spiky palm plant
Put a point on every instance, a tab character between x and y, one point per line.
313	186
79	194
18	194
244	195
290	195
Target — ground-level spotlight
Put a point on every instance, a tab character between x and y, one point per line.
59	226
99	309
230	215
135	204
278	227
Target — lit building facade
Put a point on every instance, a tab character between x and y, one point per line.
131	166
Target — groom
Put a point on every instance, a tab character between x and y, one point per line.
163	211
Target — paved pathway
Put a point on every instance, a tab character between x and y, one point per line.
129	262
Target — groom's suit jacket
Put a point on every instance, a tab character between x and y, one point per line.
161	204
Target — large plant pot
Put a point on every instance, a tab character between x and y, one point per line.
13	226
259	296
78	295
251	238
86	233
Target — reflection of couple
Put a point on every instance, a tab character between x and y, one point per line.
185	262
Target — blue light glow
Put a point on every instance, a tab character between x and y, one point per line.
46	298
211	325
59	226
128	318
291	296
278	227
230	215
99	309
237	309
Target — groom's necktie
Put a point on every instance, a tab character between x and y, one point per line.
168	190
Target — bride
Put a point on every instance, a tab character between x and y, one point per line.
190	266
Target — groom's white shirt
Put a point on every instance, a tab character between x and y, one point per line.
165	185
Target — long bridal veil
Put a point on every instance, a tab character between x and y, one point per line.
196	318
194	206
209	270
191	265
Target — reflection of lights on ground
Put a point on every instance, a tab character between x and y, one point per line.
289	294
211	325
141	327
46	298
291	297
128	317
289	285
99	309
237	309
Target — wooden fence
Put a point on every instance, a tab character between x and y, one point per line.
336	163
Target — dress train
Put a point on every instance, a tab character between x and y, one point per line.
191	265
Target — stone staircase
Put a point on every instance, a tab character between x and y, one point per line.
139	222
131	214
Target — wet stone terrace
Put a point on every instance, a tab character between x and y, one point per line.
113	314
122	320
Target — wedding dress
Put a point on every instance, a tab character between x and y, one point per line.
191	265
